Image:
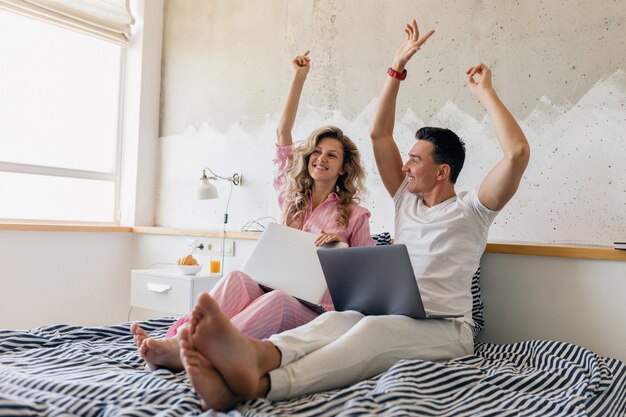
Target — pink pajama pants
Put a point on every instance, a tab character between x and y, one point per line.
254	312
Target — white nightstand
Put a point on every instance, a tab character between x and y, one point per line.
167	290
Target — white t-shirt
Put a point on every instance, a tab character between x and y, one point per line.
445	243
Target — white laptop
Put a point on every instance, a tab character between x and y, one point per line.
286	259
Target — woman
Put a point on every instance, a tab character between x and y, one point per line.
319	184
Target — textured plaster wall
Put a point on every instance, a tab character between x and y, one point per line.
559	66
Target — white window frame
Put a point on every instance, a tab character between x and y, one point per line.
114	175
67	173
142	100
138	127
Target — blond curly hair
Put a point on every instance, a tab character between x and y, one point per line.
299	183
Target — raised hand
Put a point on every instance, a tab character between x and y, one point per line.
302	63
503	180
411	45
484	79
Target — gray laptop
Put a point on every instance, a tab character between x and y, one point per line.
374	280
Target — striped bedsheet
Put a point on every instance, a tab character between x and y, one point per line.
95	371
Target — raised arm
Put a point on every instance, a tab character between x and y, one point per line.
386	153
502	182
301	65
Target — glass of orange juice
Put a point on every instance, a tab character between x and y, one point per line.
215	266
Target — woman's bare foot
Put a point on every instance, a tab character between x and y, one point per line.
243	362
138	333
207	382
158	353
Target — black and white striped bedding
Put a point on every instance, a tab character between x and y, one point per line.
95	371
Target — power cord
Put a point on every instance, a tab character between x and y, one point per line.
255	226
224	229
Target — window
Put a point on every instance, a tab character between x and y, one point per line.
59	123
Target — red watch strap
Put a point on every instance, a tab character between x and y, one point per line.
395	74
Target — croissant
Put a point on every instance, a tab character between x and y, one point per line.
187	260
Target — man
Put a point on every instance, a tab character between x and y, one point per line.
445	233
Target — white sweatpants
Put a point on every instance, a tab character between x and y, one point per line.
338	349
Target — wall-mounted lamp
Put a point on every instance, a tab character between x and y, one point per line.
207	191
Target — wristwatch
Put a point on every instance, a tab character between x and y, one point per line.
395	74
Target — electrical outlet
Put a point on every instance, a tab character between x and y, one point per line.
203	247
229	248
216	248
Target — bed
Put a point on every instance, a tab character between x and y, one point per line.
95	371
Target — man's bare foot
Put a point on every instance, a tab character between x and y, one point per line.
243	362
207	382
158	353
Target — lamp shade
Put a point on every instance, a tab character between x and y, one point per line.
205	190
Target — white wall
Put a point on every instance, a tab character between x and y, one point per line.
63	277
572	300
560	69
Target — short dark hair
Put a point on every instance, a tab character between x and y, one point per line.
448	148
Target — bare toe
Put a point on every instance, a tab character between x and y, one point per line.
161	353
138	334
205	379
231	352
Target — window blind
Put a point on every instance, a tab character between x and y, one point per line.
106	19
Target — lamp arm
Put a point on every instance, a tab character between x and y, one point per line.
235	179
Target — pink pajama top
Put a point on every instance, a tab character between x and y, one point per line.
324	217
